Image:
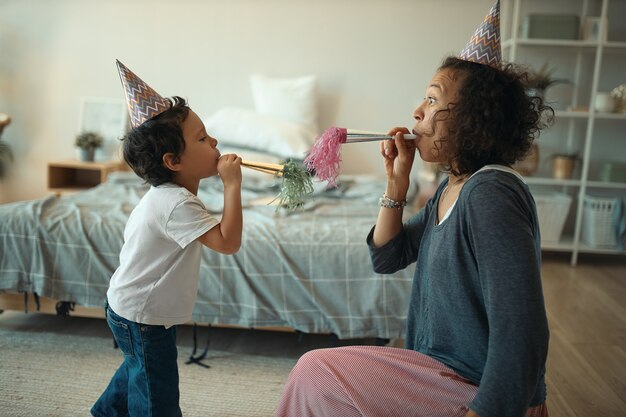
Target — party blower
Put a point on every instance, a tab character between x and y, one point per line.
296	182
325	155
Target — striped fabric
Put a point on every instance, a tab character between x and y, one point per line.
374	381
143	102
484	46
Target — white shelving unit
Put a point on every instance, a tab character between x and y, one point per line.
593	66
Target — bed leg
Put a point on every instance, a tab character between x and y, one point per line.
37	302
381	341
198	359
63	308
35	297
299	337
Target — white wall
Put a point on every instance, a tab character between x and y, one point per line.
372	58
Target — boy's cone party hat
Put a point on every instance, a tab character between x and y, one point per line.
143	102
484	46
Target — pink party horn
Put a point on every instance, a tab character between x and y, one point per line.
325	155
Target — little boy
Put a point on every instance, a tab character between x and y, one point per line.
155	286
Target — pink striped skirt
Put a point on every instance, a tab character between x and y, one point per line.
374	381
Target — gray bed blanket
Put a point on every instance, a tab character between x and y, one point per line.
308	270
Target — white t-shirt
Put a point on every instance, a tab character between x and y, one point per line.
157	280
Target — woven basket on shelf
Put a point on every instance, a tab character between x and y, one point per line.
598	230
552	210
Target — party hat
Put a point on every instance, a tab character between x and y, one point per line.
484	46
143	102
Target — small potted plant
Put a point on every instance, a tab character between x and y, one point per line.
619	97
88	142
537	82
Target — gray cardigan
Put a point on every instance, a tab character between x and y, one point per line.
477	302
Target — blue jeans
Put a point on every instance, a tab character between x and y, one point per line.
146	383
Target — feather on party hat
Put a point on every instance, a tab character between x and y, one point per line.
484	46
143	102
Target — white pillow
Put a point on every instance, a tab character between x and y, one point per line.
248	129
292	99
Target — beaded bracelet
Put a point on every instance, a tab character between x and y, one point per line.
387	202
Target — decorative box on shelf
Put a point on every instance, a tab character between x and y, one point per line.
613	172
550	26
74	175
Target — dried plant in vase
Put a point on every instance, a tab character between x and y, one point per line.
88	142
537	82
619	97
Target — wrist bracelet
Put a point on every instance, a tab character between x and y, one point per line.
387	202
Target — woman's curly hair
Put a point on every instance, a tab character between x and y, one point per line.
494	120
145	145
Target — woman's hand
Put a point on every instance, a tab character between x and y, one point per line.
398	155
229	169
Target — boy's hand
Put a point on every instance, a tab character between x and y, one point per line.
229	169
226	238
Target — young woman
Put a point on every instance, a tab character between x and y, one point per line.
477	333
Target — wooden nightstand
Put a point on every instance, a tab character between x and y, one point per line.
72	175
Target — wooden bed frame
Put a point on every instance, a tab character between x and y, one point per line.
12	301
15	302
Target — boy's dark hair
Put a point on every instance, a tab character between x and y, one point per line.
145	145
494	120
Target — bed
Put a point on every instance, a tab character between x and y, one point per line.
307	270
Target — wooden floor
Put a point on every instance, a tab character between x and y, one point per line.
586	306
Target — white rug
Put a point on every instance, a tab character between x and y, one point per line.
52	374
